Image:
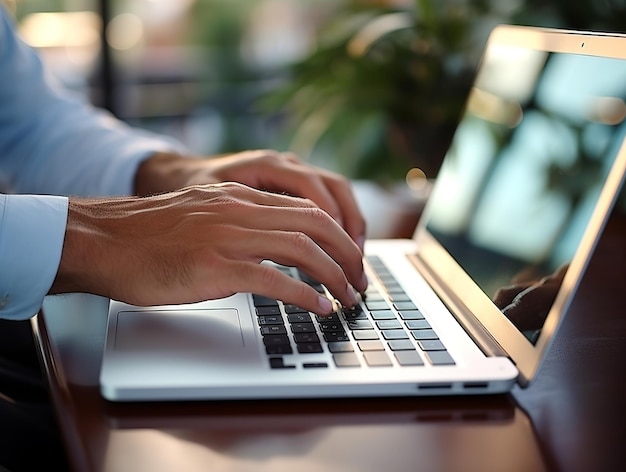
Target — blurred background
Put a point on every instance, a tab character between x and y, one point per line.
369	88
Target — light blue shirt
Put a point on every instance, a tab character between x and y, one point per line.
51	144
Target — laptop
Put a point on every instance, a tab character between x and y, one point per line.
470	304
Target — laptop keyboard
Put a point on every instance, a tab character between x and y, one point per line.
385	330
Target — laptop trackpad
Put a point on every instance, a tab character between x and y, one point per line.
180	330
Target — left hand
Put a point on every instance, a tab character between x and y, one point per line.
268	170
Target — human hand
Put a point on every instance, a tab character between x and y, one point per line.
264	170
206	242
527	303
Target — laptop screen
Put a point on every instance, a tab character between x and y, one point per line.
525	170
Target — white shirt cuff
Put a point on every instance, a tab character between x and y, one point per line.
32	230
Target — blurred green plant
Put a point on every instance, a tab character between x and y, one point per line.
385	87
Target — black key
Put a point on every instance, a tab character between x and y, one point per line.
278	363
299	318
303	328
354	316
267	310
304	338
314	365
273	329
336	336
354	309
340	347
270	320
261	300
333	317
294	309
333	326
279	349
275	339
310	348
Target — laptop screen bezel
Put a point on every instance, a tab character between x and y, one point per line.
468	299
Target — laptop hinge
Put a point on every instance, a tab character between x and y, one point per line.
485	341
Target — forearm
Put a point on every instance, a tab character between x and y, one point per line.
53	143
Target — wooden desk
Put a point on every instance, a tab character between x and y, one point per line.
571	418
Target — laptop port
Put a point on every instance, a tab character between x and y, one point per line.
475	385
435	386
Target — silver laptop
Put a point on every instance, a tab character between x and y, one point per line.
471	303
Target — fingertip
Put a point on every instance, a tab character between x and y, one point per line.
364	283
360	241
325	305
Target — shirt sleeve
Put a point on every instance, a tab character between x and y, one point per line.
51	144
54	143
32	230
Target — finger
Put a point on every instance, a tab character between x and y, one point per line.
299	250
334	194
282	213
353	220
319	228
268	281
531	306
300	181
505	295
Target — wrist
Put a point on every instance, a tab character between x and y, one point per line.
83	259
164	172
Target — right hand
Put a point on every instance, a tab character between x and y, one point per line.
207	242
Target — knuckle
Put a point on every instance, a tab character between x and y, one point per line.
336	277
302	291
230	197
318	216
301	242
339	179
267	156
268	276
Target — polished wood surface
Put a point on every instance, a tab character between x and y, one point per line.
570	418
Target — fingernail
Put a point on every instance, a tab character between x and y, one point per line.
355	296
325	305
361	242
364	281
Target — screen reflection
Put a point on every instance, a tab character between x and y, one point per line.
524	173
